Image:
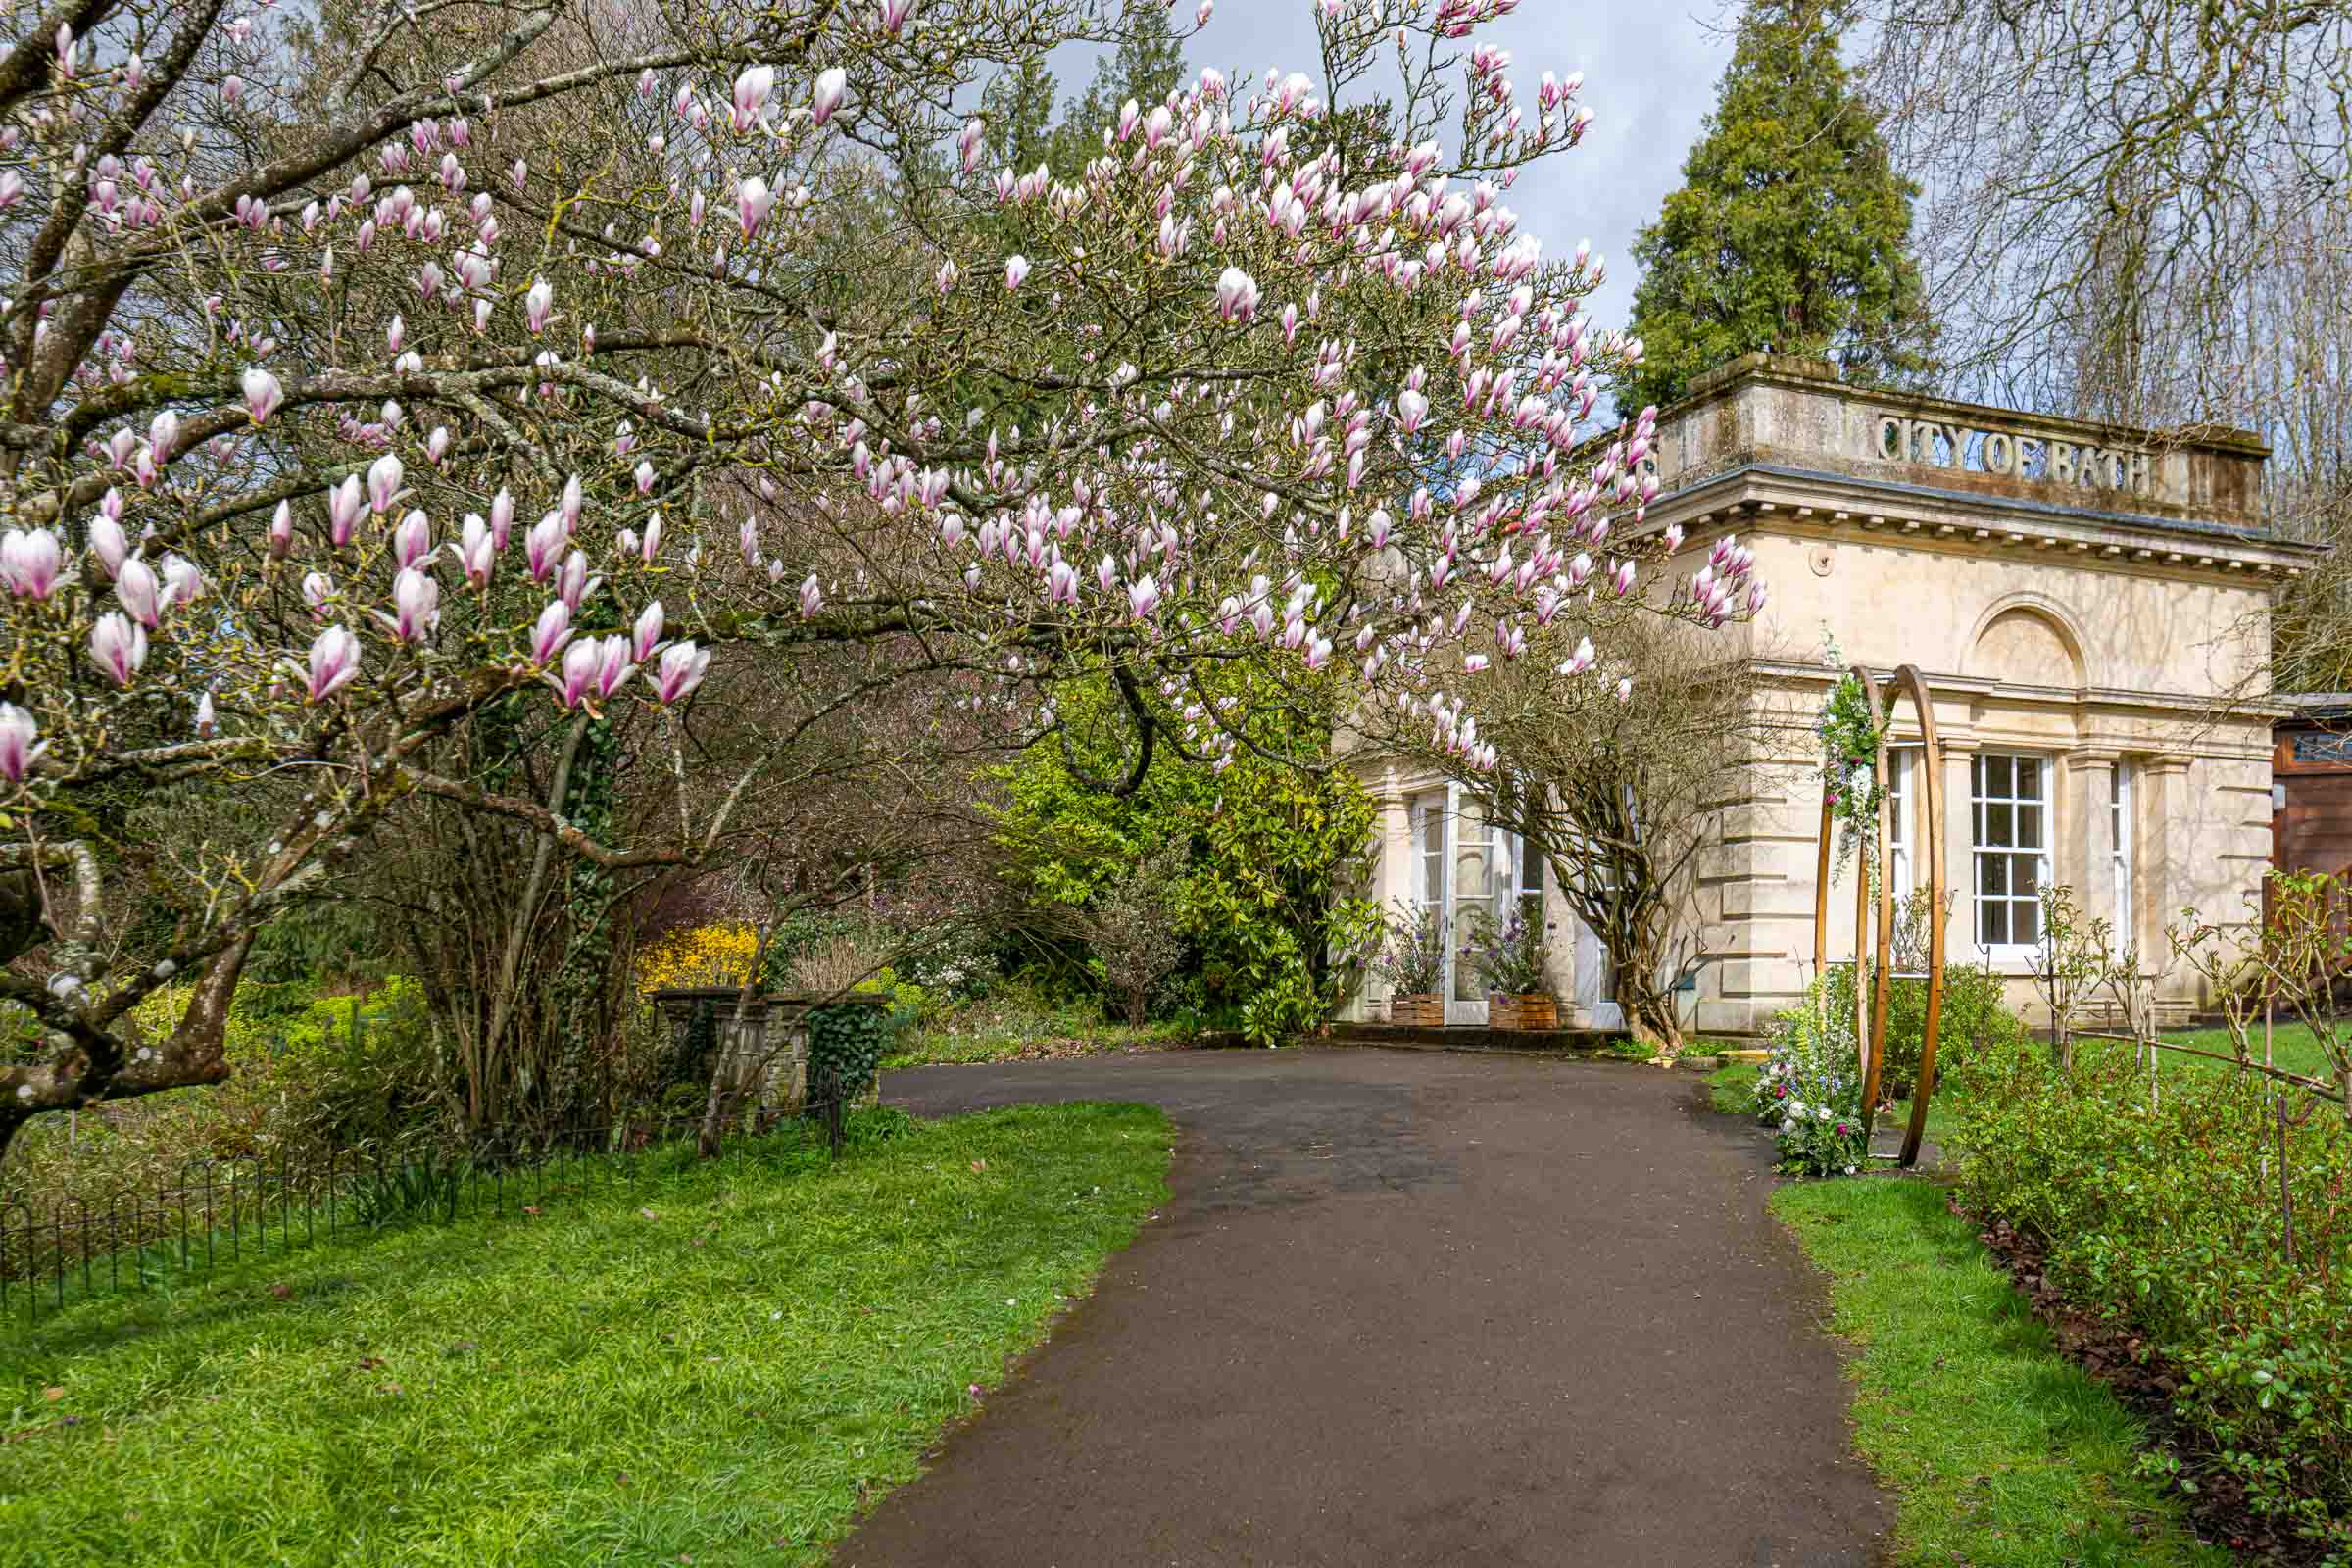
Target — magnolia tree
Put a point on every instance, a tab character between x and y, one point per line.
366	372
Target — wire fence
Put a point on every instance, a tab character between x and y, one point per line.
221	1213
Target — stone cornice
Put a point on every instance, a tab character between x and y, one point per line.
1811	503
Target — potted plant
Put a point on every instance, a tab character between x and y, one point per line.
1515	964
1412	961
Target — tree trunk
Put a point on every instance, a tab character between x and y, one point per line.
724	1067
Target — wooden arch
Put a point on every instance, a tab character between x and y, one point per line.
1870	1033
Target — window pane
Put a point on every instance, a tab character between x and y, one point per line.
2000	826
2025	874
1992	874
2028	779
1992	923
2025	921
2028	828
1998	778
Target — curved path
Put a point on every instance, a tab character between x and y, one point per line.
1414	1308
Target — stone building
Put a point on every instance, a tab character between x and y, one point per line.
2090	609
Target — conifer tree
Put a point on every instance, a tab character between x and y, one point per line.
1791	229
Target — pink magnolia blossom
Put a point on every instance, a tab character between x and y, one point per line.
184	581
832	87
413	540
384	477
1016	271
416	607
543	547
281	530
646	635
539	305
20	745
894	15
753	200
812	597
343	504
681	670
551	632
334	662
118	646
612	665
501	517
31	563
477	551
135	585
581	663
752	90
263	393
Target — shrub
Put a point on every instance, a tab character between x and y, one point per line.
2157	1197
1976	1017
1810	1092
715	955
1131	929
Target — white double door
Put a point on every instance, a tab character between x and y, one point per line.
1479	876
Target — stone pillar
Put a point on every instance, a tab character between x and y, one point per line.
2086	859
1392	880
1959	854
2165	871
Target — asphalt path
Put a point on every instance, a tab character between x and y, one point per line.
1410	1307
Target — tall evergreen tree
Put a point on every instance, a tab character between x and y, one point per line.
1018	104
1792	231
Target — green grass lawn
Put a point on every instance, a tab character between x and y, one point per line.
2292	1048
2000	1453
1019	1023
719	1363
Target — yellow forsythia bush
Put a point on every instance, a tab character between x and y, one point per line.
717	955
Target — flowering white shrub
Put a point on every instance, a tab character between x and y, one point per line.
1810	1090
356	387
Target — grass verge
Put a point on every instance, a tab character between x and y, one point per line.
719	1364
1021	1023
2000	1453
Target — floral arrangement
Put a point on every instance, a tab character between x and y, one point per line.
1850	732
1412	953
1511	957
1810	1092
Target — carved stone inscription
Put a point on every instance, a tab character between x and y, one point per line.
2008	453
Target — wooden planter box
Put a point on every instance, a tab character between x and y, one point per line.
1420	1010
1522	1012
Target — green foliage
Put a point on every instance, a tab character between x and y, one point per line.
421	1185
2158	1198
725	1360
1791	229
846	1042
1145	65
1976	1017
1270	846
1999	1451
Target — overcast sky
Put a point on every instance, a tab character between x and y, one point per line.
1650	69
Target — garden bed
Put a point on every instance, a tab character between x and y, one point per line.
721	1364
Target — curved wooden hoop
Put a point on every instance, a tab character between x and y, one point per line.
1871	1040
1932	761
